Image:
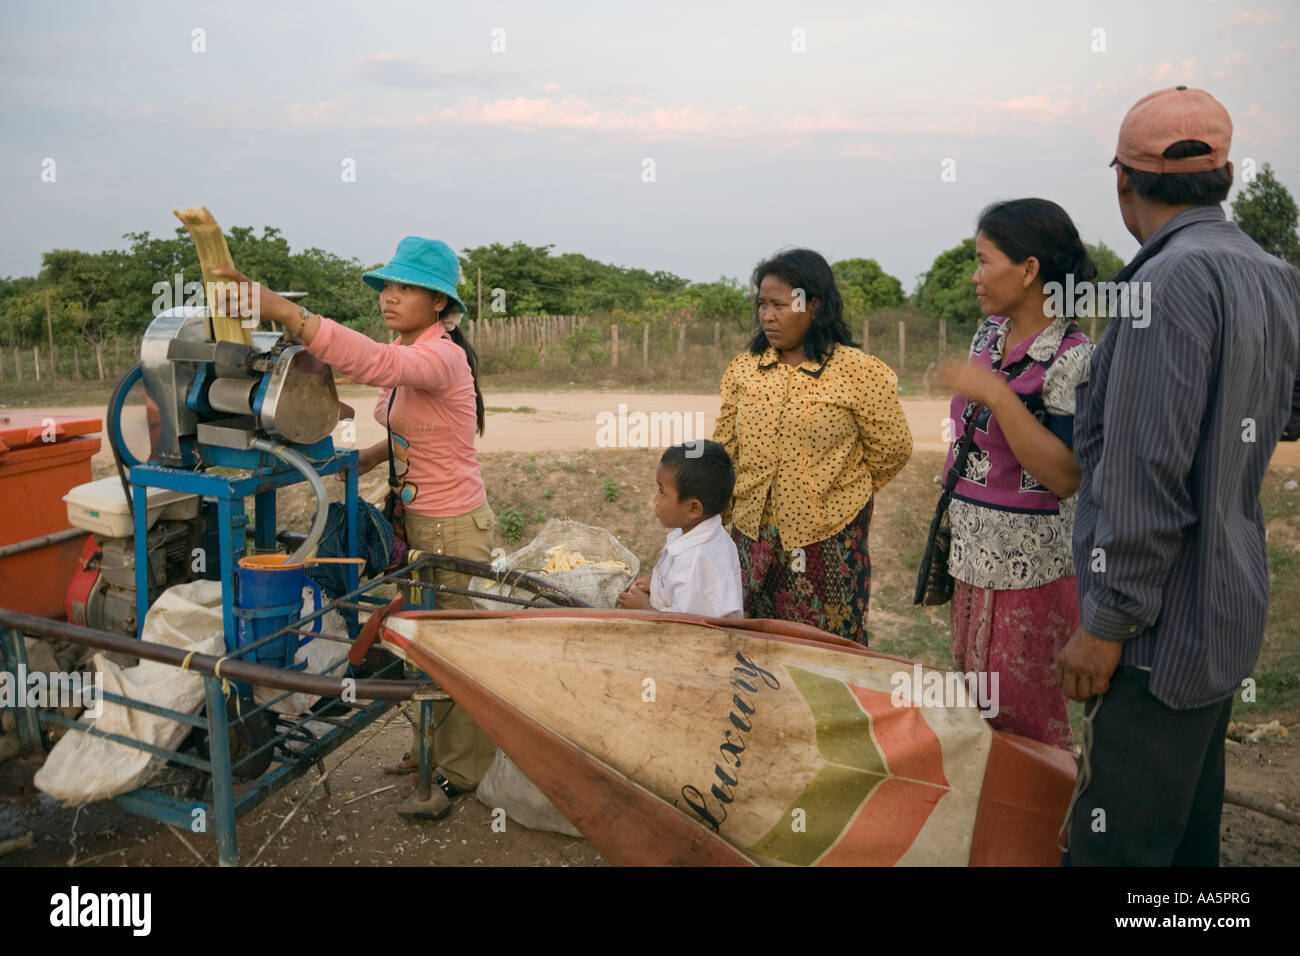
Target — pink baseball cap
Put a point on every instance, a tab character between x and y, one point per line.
1165	117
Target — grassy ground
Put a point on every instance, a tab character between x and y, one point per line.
1277	675
49	393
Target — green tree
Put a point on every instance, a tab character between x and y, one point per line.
1266	212
104	293
22	313
866	287
945	290
531	280
722	301
1106	260
334	287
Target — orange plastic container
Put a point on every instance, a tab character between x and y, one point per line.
42	457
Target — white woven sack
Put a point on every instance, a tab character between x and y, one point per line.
505	787
599	587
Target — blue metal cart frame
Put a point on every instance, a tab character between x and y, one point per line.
266	475
221	812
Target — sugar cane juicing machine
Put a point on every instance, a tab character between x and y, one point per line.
227	420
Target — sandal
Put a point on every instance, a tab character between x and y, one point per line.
406	765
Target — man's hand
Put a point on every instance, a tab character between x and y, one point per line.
1085	665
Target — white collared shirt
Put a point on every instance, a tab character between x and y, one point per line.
698	572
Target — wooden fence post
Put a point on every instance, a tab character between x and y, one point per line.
99	358
645	344
76	363
36	354
681	341
18	363
866	336
902	348
613	346
943	338
717	338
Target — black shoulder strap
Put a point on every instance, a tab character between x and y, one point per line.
392	460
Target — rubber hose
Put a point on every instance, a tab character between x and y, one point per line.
295	460
122	454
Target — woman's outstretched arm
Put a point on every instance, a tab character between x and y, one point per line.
357	356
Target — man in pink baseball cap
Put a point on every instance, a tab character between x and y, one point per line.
1194	393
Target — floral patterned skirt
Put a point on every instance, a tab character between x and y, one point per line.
826	584
1016	634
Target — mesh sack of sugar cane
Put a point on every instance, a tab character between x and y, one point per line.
588	562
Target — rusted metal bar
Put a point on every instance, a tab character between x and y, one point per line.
483	595
231	667
477	569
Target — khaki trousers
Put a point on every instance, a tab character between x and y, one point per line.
461	751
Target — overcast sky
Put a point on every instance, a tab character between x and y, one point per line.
768	124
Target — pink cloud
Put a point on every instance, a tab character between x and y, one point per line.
316	114
1040	107
863	151
1181	73
1249	18
574	113
1260	128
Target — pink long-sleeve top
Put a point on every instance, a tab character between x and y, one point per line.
434	410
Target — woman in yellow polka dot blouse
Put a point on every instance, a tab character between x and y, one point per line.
815	429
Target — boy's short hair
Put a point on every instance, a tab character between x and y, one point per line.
703	471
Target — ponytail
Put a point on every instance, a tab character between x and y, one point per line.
458	337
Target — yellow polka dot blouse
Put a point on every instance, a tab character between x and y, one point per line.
820	438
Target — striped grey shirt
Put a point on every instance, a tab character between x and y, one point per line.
1173	433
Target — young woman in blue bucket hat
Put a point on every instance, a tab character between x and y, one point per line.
430	399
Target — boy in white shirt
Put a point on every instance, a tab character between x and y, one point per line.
698	571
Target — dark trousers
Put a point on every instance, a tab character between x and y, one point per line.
1151	783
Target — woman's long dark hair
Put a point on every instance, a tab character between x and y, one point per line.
1040	228
809	271
471	356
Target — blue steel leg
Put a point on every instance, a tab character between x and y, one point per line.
140	497
223	787
14	651
226	533
264	518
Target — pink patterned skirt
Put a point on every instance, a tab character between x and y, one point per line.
1016	635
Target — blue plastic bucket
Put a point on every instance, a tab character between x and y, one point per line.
268	598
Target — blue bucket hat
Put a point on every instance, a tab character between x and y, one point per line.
428	263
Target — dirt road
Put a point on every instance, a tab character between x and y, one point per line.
527	422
